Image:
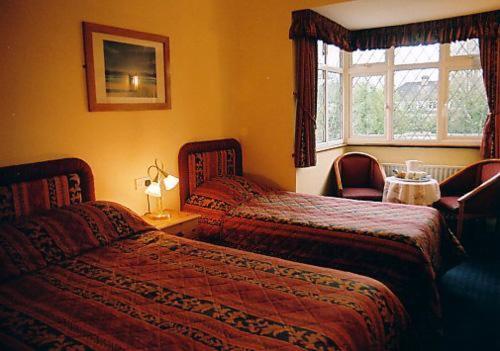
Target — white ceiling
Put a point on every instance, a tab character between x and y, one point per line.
362	14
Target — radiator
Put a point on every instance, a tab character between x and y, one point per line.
438	172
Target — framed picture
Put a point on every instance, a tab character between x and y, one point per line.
125	69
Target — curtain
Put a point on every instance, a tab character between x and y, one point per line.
308	27
490	61
306	71
430	32
310	24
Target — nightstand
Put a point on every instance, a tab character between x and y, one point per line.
180	224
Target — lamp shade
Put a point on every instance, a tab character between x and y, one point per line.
170	182
153	189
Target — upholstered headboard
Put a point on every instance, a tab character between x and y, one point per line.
200	161
28	188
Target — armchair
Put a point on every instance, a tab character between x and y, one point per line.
473	192
359	176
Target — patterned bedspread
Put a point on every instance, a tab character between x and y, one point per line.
160	292
405	247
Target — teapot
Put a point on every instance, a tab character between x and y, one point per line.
413	165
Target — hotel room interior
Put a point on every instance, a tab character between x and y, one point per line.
250	175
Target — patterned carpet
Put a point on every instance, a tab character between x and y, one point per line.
471	296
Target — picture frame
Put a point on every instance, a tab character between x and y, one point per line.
126	69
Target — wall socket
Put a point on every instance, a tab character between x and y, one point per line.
140	183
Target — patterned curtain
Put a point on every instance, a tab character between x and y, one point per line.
490	62
306	71
430	32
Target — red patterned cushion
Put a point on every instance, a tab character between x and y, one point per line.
55	235
22	199
362	194
223	193
203	166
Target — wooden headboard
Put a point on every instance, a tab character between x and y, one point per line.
198	161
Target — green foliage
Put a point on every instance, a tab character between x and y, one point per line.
467	107
368	108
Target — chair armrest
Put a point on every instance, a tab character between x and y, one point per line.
459	183
484	198
378	176
338	180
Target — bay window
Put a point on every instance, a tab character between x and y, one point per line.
425	94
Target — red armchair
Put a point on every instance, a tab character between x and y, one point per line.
473	192
359	176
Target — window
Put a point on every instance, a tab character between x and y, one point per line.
414	115
329	113
425	94
368	105
467	105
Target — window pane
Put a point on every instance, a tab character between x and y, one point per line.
320	109
368	102
333	56
415	104
321	52
416	54
467	106
464	48
368	56
334	107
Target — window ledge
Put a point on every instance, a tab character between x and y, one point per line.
327	147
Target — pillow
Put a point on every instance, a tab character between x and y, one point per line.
52	236
223	193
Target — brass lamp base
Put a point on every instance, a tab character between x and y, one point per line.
164	214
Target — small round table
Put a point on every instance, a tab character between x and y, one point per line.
411	192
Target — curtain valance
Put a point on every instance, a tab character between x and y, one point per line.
307	24
311	25
440	31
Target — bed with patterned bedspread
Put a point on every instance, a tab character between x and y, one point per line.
94	276
405	247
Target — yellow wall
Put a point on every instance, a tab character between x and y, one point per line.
232	76
318	180
261	111
43	112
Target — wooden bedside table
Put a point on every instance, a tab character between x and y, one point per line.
180	224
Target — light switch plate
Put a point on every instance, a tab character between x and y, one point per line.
140	183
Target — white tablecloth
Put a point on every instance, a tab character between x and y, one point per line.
411	193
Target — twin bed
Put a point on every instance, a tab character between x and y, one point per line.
83	274
404	247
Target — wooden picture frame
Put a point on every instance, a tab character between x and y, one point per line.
126	69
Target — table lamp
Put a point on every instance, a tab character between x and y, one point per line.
154	188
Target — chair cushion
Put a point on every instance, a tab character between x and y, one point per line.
449	203
362	194
355	171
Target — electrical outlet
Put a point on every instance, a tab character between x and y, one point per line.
140	183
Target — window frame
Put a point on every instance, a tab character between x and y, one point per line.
445	65
327	144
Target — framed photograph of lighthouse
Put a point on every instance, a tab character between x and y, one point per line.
125	69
